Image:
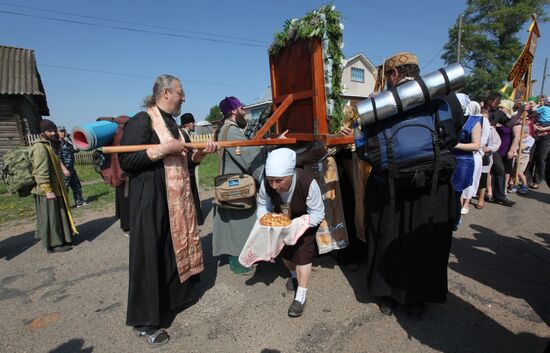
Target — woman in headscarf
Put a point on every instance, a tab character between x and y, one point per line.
294	192
469	141
471	191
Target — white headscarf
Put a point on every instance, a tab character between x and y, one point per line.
464	102
474	107
280	163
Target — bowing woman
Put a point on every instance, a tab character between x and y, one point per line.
294	192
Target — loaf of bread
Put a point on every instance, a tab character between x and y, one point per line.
275	220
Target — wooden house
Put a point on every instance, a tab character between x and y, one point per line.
22	97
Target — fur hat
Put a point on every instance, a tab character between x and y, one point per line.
187	118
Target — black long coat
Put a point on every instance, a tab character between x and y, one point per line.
154	286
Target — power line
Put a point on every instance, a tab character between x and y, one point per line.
369	24
136	30
389	29
435	6
131	23
401	13
73	68
431	60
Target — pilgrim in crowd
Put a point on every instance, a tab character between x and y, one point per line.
187	126
54	221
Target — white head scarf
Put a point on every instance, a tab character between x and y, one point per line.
464	101
475	108
280	163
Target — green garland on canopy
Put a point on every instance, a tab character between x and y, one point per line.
325	24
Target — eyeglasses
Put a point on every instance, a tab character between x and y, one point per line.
179	93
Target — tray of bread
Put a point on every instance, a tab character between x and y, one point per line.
275	220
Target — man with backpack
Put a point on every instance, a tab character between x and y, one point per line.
410	210
54	222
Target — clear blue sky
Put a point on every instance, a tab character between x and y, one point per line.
100	57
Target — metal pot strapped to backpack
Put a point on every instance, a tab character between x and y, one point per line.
234	190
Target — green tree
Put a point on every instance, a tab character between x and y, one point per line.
490	43
214	114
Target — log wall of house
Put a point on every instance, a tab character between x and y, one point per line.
12	128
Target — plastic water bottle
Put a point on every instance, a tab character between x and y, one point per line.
359	139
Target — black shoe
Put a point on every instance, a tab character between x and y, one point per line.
60	248
504	202
415	311
386	305
296	309
291	284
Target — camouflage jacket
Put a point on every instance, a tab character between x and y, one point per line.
66	153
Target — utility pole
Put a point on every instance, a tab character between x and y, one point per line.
543	77
459	38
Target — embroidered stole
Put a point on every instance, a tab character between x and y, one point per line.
181	208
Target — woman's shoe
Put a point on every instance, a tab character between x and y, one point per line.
296	309
464	210
523	189
533	186
479	206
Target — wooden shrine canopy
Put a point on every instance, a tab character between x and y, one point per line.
298	91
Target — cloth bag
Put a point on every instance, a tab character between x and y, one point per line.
233	191
265	243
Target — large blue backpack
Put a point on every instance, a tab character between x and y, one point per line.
413	150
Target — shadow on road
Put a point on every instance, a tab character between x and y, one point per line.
207	206
543	197
458	326
208	276
512	265
13	246
96	197
207	281
92	229
72	346
267	273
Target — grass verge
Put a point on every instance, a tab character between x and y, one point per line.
100	195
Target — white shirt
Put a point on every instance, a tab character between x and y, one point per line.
314	201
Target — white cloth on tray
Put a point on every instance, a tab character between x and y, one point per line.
265	243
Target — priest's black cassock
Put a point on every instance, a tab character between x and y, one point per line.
154	286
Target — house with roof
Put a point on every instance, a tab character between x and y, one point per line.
22	97
358	77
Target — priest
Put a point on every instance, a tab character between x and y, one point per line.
165	249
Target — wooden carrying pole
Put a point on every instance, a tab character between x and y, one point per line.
201	145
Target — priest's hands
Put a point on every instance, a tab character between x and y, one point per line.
198	155
162	150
